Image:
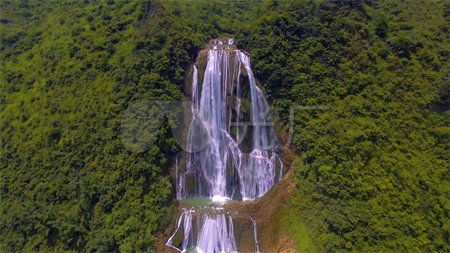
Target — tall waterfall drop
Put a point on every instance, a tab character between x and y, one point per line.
231	147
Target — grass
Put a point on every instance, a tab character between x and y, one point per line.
290	222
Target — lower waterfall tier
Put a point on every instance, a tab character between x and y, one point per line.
206	229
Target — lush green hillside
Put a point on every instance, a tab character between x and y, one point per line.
375	164
69	71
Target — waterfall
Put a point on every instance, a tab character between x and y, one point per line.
255	235
186	216
230	148
181	191
221	165
216	235
213	232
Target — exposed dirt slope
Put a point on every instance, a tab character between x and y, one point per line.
270	237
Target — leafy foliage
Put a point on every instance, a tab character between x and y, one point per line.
373	174
71	69
375	164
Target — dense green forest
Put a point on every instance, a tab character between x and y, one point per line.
376	173
372	173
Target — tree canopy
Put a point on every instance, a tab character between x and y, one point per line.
372	170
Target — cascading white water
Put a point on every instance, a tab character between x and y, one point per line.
255	235
181	191
216	235
229	115
214	232
186	216
215	111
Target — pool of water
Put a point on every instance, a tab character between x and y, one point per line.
204	201
200	201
